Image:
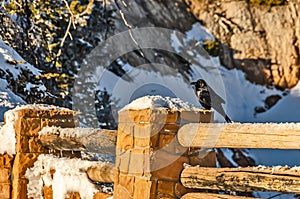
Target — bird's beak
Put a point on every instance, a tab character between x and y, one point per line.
193	83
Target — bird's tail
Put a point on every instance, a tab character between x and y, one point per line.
228	120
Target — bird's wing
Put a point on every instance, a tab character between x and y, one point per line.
215	98
204	99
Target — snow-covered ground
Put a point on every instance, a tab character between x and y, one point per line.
8	99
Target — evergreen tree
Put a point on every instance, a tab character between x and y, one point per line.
104	111
59	33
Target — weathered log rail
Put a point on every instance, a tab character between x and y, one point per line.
202	135
103	173
278	179
211	196
79	139
86	140
238	135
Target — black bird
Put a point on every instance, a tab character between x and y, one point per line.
208	98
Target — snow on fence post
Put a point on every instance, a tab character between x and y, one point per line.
27	121
149	158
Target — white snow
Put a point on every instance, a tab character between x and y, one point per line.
40	107
69	176
30	86
5	100
199	33
146	83
7	134
85	42
8	54
69	132
285	110
159	101
8	99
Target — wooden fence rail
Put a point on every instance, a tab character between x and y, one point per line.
237	135
103	173
212	196
87	140
147	138
279	179
79	139
200	135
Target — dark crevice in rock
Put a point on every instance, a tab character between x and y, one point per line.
269	102
272	100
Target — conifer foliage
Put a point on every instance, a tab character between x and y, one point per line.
57	35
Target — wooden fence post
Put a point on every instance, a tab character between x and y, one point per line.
28	122
149	158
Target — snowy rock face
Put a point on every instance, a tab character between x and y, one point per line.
159	102
13	70
18	81
260	40
12	63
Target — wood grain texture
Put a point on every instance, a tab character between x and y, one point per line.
237	135
102	173
98	141
279	179
211	196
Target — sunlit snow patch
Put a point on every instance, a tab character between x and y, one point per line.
159	101
7	134
69	176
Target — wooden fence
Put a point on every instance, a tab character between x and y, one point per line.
248	179
177	131
159	154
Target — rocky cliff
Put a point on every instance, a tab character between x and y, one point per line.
261	40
